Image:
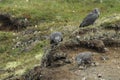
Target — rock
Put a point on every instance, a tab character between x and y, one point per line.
67	61
81	67
17	37
47	58
17	44
78	37
84	78
57	63
59	56
13	40
111	42
106	49
99	75
118	67
104	58
97	45
95	64
27	0
52	58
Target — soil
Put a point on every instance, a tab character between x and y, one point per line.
106	69
9	23
106	64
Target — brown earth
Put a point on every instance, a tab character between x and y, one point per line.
10	23
106	67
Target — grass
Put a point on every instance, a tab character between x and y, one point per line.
17	64
50	16
57	10
5	41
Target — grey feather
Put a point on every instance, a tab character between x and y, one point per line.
90	18
55	38
84	58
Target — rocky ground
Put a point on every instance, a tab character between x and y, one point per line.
60	64
107	68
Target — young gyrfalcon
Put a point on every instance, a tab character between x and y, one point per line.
56	38
90	18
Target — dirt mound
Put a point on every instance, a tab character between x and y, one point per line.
102	69
112	26
7	22
59	63
44	74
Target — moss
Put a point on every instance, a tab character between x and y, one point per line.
11	65
57	10
110	25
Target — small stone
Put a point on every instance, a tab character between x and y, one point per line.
116	56
114	61
84	78
102	79
17	37
41	75
81	67
115	48
27	0
97	64
14	34
118	67
106	49
51	29
15	5
92	64
99	75
67	61
18	43
35	32
104	58
73	11
78	37
13	48
36	26
13	40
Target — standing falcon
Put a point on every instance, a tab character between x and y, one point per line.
90	18
84	58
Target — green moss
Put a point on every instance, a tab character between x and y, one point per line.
57	10
110	24
5	41
11	65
